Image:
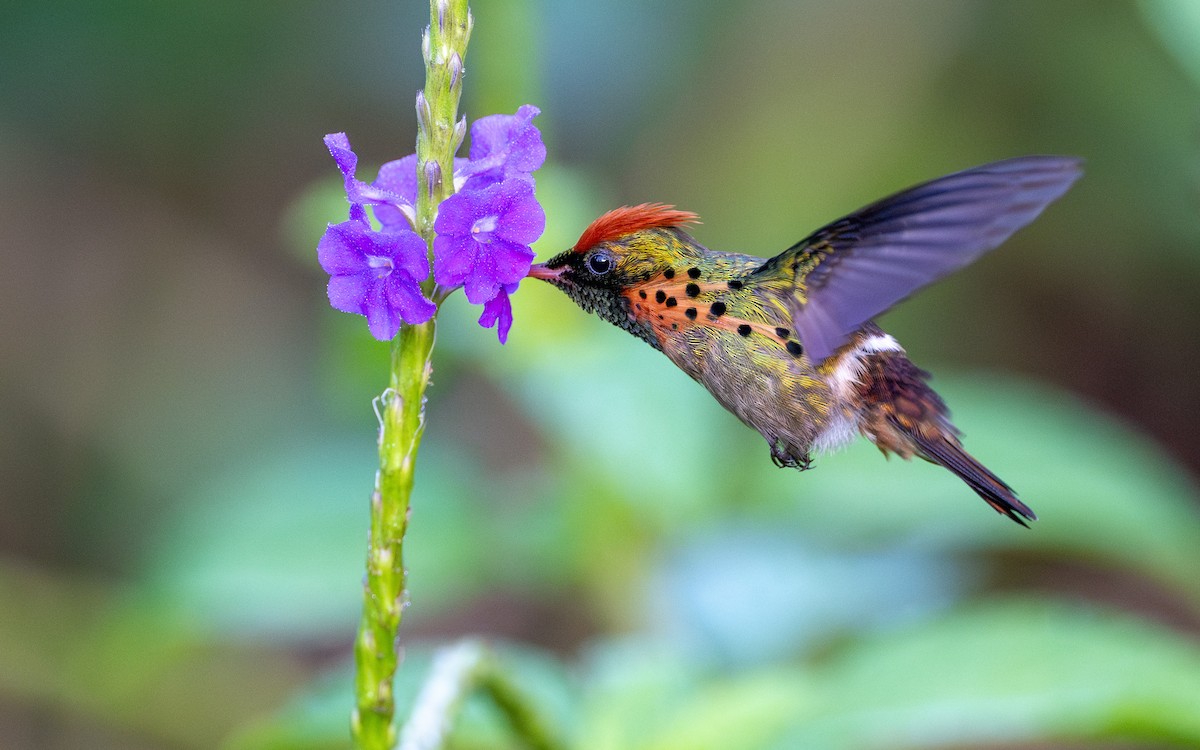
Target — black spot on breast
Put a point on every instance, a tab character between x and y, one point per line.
660	296
671	302
782	333
693	290
744	330
794	348
642	293
691	313
694	273
717	309
735	284
669	273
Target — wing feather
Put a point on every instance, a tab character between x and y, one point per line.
856	268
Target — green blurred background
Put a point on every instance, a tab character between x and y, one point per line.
187	441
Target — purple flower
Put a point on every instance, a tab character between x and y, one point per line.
503	147
482	232
377	275
360	193
483	238
498	310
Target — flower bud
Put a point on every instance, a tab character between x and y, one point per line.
424	113
433	177
460	133
442	7
456	70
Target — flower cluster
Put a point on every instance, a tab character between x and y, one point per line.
482	239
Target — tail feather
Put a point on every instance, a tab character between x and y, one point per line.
949	454
901	414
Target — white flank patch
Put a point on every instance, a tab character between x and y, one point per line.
837	434
843	428
880	342
845	376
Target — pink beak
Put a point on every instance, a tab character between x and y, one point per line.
539	271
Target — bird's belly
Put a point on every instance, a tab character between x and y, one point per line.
782	397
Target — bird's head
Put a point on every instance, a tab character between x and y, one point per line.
622	250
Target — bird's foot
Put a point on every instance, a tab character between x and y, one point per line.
784	458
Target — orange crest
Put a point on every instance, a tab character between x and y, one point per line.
628	219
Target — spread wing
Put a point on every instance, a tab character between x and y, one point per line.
856	268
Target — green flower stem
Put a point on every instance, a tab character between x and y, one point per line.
384	592
403	416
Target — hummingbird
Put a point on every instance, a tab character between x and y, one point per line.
789	344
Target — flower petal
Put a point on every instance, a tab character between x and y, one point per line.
458	213
506	145
453	258
357	191
410	254
510	260
342	249
399	177
383	320
339	147
481	283
523	219
527	151
498	312
349	293
405	297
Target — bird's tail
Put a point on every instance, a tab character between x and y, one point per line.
901	414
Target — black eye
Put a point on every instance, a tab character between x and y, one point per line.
599	263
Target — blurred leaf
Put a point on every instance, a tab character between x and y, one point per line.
647	694
278	546
1177	22
273	545
1009	671
745	712
78	647
742	595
